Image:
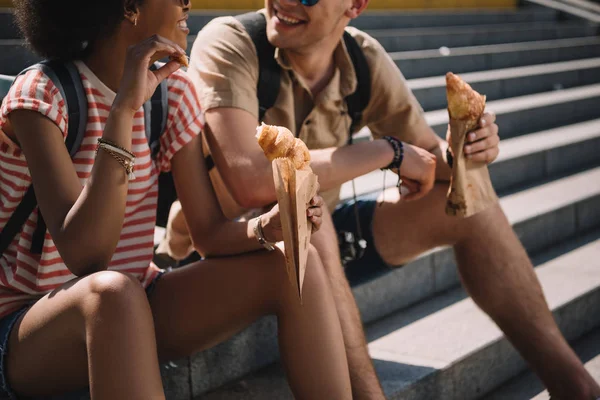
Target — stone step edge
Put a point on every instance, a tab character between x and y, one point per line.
459	29
497	48
507	73
527	102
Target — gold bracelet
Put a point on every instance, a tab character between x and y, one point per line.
127	162
114	145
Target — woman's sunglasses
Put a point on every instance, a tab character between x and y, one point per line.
309	3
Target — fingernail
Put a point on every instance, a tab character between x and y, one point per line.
482	121
472	136
467	149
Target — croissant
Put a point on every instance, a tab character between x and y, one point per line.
278	141
464	103
182	59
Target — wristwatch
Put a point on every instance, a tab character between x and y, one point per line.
260	236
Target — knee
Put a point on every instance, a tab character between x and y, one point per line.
113	290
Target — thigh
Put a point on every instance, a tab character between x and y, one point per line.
199	305
47	346
403	230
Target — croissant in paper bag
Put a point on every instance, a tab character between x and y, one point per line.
471	190
278	141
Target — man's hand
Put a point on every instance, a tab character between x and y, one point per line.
482	144
417	171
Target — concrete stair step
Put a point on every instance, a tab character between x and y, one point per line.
511	82
536	112
433	38
542	217
460	36
446	348
527	386
424	63
418	19
523	160
369	20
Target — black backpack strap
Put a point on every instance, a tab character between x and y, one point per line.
67	80
358	100
269	75
269	72
155	115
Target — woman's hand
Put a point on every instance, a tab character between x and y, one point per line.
139	82
271	221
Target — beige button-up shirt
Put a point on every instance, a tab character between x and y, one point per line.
224	69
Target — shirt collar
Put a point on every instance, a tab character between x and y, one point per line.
343	65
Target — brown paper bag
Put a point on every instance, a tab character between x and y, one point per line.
471	189
295	189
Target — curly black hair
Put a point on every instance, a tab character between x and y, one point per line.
66	29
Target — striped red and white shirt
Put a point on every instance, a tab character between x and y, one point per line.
24	277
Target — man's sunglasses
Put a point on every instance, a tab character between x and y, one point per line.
309	3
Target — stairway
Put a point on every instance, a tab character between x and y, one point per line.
540	70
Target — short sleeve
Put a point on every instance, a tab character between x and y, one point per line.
34	91
185	120
394	111
224	66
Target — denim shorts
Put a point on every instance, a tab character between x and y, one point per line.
370	265
6	325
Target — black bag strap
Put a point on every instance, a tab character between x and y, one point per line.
269	72
155	115
357	101
269	75
67	80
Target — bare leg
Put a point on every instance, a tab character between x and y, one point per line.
365	384
97	329
200	305
498	275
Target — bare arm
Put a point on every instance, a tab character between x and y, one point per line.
212	233
247	172
85	223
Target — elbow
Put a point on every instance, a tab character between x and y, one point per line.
87	266
86	259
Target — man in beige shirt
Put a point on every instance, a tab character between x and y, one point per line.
316	76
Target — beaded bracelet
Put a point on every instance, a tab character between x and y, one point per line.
398	147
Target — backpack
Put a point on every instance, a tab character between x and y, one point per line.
66	78
267	90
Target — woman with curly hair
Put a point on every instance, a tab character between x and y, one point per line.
91	309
